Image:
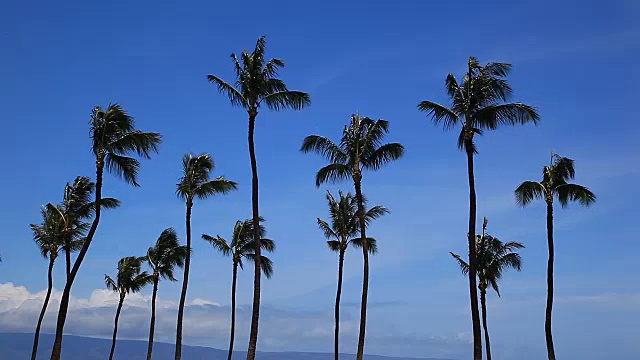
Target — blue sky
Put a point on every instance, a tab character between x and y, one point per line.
575	61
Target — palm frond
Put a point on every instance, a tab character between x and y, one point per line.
334	245
372	244
492	116
325	147
327	230
440	113
383	155
219	185
288	99
235	97
142	143
110	283
562	169
529	191
218	243
464	267
333	172
574	192
375	212
124	167
266	265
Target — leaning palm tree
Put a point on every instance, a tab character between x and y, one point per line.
493	258
113	137
479	103
242	247
256	84
553	185
66	224
163	258
343	231
195	183
360	149
128	280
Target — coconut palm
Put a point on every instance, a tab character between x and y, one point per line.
65	224
242	247
163	258
554	185
479	103
130	279
195	183
114	138
256	84
342	231
494	257
360	149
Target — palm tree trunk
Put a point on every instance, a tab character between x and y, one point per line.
36	338
365	277
253	334
233	308
115	326
152	325
473	288
338	294
547	322
66	293
185	282
483	301
67	258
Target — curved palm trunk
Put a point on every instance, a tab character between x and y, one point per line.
67	257
365	277
338	294
36	338
185	282
152	324
547	322
66	293
253	335
483	301
233	308
115	327
473	289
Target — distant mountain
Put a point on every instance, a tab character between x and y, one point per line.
18	347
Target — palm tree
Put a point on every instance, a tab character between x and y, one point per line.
553	185
163	258
343	231
129	280
360	148
65	224
114	137
242	246
256	84
493	258
194	184
479	103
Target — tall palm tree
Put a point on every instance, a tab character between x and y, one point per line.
113	137
479	103
130	279
163	258
554	184
493	258
65	224
360	149
242	247
256	84
195	183
343	231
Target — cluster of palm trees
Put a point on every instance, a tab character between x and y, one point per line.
480	102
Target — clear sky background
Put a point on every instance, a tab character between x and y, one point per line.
574	60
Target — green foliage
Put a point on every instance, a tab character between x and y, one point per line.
195	181
166	254
130	278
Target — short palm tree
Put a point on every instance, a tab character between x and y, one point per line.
343	230
66	224
494	257
256	84
479	103
360	149
554	184
130	279
163	258
242	247
113	137
195	183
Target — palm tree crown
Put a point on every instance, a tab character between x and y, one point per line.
555	184
195	181
114	137
360	148
49	234
256	83
493	258
129	279
479	103
345	227
166	255
242	245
